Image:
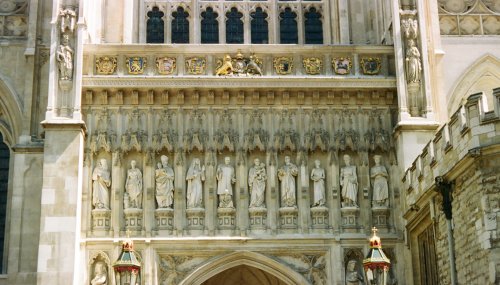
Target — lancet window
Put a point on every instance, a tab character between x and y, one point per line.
209	27
4	176
155	26
313	27
180	26
259	27
288	27
234	27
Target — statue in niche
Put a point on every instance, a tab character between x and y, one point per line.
257	182
380	188
352	276
100	274
65	59
349	183
286	174
194	177
225	177
413	63
318	177
164	177
133	187
102	182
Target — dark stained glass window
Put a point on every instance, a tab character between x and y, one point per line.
180	26
4	181
209	27
155	33
259	27
288	27
234	27
313	27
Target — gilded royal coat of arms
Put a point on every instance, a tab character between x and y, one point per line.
105	65
196	65
342	65
370	65
283	65
165	65
312	65
136	65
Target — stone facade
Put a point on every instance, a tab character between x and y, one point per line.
361	91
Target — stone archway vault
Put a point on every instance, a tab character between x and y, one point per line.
262	262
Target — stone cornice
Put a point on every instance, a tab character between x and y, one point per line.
210	82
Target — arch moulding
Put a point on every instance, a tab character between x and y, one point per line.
488	65
10	112
225	262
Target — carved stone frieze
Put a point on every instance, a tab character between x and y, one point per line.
174	268
310	265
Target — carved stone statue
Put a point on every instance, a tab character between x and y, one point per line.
100	274
164	177
380	188
102	182
318	177
286	174
352	276
413	63
65	59
194	177
349	183
257	182
225	178
133	187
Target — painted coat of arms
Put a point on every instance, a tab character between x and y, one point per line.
370	65
283	65
312	65
196	65
105	65
342	65
136	65
166	65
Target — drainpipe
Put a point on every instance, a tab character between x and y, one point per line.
445	188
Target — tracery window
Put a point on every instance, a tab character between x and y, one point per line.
234	27
155	33
259	27
209	27
288	27
313	27
180	26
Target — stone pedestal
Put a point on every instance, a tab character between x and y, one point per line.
164	220
258	218
226	218
350	217
380	216
413	99
133	220
288	217
101	221
195	218
319	217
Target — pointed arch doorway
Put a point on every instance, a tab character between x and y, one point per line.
244	268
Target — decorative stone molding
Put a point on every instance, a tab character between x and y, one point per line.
311	266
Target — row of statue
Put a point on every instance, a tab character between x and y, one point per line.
225	175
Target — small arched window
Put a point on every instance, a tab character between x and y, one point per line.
209	27
313	27
234	27
259	27
4	181
180	26
155	33
288	27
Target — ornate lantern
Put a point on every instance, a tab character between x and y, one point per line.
376	264
127	267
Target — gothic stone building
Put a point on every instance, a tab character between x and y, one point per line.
249	142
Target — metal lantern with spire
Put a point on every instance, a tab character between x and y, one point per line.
127	267
376	263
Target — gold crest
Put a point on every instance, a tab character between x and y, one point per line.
105	65
370	65
342	65
312	65
283	65
196	65
165	65
136	65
